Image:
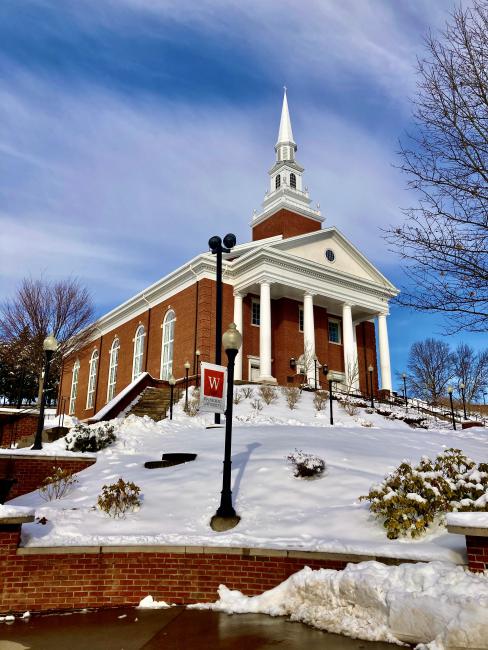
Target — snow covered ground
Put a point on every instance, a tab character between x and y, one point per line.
277	509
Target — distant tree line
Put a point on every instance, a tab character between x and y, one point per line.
433	366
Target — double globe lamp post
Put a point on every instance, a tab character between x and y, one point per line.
50	345
226	517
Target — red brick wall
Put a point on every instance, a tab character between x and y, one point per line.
477	548
13	429
286	223
30	472
60	581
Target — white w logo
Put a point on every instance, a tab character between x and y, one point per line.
214	382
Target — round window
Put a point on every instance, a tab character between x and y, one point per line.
330	255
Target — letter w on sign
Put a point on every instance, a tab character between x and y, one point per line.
213	388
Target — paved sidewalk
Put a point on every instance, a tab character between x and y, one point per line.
169	629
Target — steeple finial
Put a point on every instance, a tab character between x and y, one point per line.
285	133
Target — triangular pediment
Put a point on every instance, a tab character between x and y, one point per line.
347	259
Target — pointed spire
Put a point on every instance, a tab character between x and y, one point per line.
285	134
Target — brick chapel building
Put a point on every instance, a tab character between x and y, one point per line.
295	291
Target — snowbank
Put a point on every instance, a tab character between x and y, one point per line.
439	603
16	511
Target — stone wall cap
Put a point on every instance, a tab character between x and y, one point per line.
41	455
16	515
468	523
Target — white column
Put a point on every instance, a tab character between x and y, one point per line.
309	337
384	352
356	358
348	343
265	334
238	321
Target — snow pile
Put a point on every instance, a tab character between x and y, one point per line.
439	603
149	603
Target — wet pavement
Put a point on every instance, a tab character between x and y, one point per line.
169	629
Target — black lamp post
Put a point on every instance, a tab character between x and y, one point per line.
171	382
463	395
50	346
231	340
330	380
187	368
197	354
370	370
449	390
215	245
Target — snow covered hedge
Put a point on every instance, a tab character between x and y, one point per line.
85	438
410	498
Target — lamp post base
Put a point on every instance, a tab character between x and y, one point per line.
221	524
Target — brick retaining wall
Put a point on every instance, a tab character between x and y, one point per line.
56	579
14	427
30	470
477	548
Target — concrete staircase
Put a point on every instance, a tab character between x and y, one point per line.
154	402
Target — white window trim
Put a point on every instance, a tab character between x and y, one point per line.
166	322
138	355
74	387
334	320
92	379
255	301
300	311
112	377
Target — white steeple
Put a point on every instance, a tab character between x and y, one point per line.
285	146
286	190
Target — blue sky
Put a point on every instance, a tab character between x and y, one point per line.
132	130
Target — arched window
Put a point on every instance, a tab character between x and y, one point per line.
112	369
74	387
92	379
277	181
167	349
138	352
293	180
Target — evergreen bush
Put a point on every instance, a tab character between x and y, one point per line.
410	498
306	465
89	438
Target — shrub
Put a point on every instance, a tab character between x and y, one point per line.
268	394
193	403
119	498
247	391
238	397
292	395
320	400
84	438
350	407
257	404
306	465
57	484
410	498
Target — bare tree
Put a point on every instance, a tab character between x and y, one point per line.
444	240
471	369
350	385
430	368
38	308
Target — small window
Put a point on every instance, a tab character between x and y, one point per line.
330	255
334	331
277	181
74	387
256	313
293	180
92	379
300	319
